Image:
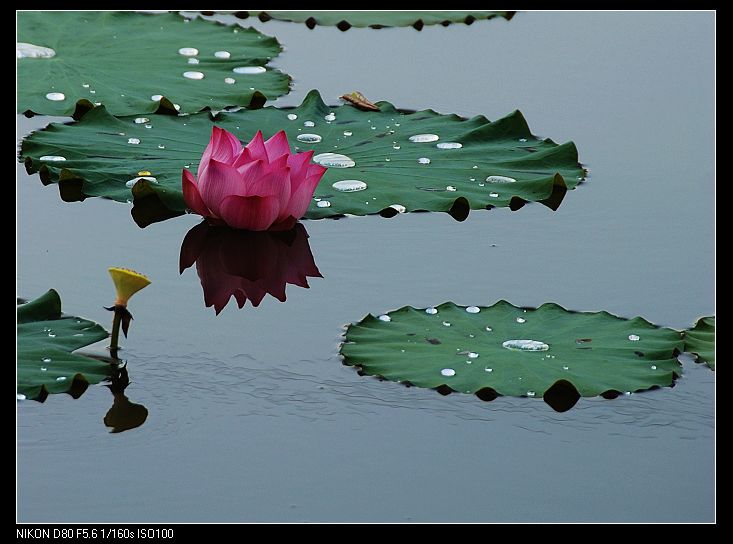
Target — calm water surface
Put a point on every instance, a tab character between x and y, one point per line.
251	415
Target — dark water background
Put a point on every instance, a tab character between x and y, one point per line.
251	415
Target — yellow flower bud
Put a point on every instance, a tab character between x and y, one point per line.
127	283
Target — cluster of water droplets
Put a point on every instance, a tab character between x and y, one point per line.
192	53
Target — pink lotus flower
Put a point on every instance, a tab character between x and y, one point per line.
259	187
247	265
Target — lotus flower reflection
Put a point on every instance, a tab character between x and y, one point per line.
257	187
247	265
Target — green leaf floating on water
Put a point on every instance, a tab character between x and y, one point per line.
46	340
376	19
389	161
129	61
506	350
700	341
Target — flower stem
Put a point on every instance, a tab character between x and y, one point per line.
116	322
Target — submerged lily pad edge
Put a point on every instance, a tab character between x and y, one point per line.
346	19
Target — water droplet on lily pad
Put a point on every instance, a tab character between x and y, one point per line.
525	345
398	207
56	96
446	323
431	311
193	75
188	51
141	120
52	158
156	97
309	138
222	54
323	204
494	195
347	133
450	188
521	320
423	160
334	160
500	179
449	145
472	355
129	184
531	393
61	379
424	138
330	117
634	337
385	318
292	116
249	70
20	396
654	367
448	372
133	141
349	185
46	359
29	51
473	309
487	369
230	80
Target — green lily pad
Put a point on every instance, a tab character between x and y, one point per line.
344	20
46	340
128	61
700	341
473	163
506	350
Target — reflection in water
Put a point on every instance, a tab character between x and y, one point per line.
123	415
247	265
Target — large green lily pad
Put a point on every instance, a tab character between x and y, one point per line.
487	164
344	20
46	340
124	60
462	349
700	341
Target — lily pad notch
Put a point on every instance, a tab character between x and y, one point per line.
46	341
505	350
